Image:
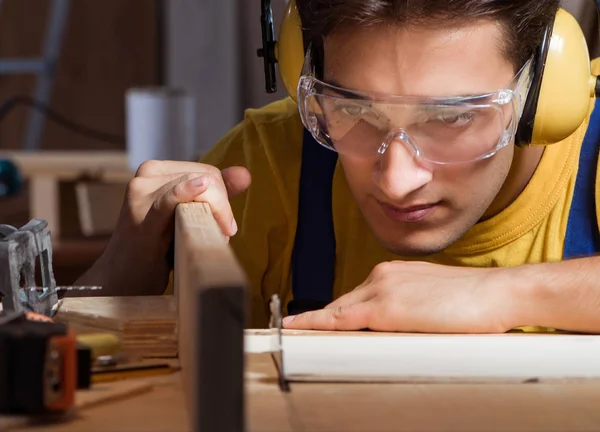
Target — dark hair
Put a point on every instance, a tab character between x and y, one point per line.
524	21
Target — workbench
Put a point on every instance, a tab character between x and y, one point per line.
341	381
358	407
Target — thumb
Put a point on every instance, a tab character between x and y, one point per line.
237	179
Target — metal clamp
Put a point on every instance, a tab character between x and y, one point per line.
21	251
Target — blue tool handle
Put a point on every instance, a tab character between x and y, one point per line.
11	180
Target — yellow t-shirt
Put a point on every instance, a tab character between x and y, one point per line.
269	143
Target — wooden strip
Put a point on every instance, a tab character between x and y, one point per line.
399	358
145	325
210	286
70	165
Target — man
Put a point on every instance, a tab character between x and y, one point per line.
441	223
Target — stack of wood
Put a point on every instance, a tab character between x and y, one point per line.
145	325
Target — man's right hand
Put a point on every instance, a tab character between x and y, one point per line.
135	258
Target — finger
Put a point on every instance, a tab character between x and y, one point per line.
216	196
236	179
165	167
183	189
360	295
142	186
353	317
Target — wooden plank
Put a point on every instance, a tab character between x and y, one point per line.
72	165
145	325
358	407
269	409
399	358
379	407
373	407
210	286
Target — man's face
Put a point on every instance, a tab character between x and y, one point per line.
412	206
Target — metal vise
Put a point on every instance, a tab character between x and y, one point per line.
20	251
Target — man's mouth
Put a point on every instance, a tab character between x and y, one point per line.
409	213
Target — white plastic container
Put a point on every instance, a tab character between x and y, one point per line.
160	124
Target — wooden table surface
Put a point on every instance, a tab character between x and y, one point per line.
358	407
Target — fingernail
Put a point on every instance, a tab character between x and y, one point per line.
288	319
198	181
234	226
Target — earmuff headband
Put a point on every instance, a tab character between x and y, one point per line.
525	131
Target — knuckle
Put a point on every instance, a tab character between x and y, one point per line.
186	178
215	177
148	168
338	313
136	187
212	170
381	269
179	190
156	206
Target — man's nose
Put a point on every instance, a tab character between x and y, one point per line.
399	172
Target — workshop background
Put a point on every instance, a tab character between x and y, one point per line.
105	48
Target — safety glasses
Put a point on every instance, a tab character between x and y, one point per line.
444	130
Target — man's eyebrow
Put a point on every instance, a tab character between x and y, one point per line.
449	100
340	90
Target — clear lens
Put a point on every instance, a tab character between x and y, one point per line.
438	133
440	130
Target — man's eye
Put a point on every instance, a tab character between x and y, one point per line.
461	119
352	110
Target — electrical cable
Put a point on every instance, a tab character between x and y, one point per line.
58	118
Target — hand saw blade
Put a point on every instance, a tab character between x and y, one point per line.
44	292
62	290
277	341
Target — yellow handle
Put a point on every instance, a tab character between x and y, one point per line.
101	344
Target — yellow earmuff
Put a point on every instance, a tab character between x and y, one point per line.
561	92
562	88
289	50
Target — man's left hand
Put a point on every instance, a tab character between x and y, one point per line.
421	298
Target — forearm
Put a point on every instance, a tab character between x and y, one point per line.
563	295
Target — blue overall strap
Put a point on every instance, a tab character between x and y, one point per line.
313	257
582	238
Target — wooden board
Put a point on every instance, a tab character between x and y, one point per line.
358	407
210	286
373	357
409	407
71	165
145	325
